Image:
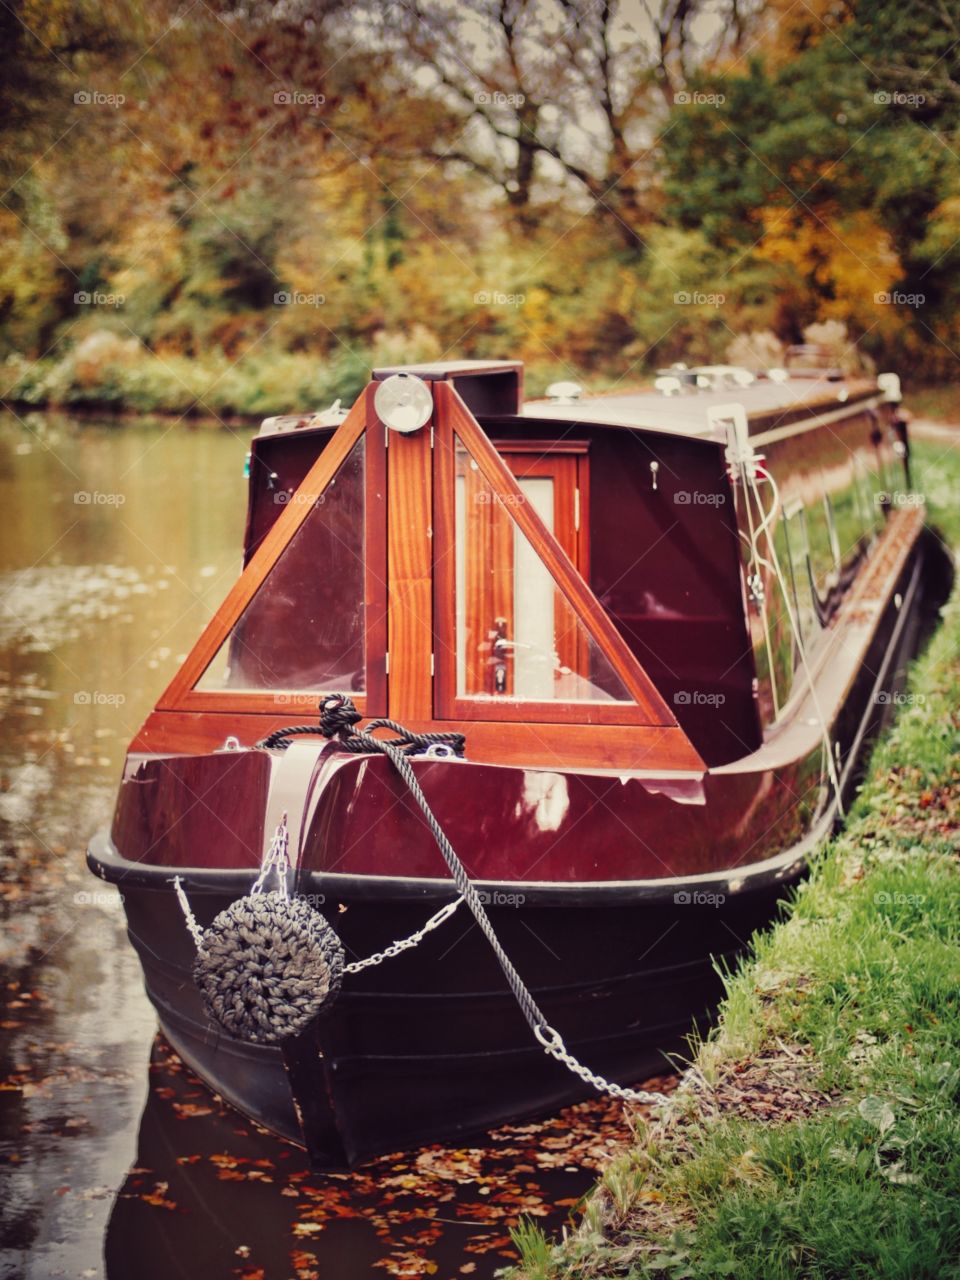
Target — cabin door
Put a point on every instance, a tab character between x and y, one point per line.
512	624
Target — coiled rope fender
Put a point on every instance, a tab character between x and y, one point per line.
268	964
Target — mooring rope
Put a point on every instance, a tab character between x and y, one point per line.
338	718
244	956
338	715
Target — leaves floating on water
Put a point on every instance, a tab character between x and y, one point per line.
438	1211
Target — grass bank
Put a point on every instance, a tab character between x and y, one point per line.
818	1133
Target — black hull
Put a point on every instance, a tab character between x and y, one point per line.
431	1045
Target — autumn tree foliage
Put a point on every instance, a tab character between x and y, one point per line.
595	188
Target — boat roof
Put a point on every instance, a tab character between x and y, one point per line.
493	390
766	403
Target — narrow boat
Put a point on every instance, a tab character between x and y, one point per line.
664	626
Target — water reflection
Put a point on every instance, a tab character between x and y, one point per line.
210	1194
118	541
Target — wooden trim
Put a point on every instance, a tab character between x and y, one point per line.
546	449
572	748
511	710
375	575
252	577
410	578
454	418
293	704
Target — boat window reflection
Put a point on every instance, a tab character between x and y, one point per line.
304	628
517	637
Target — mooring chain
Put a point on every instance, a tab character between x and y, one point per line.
240	965
395	948
341	716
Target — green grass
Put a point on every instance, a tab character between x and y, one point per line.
941	402
861	984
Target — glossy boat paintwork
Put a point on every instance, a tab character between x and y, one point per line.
613	891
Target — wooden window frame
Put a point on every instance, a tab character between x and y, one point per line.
182	695
647	709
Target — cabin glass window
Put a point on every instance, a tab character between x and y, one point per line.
304	628
516	636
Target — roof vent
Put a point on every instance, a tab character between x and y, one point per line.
564	392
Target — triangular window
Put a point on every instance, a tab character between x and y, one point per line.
308	614
519	634
516	635
304	627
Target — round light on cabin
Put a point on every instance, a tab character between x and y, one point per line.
777	375
403	401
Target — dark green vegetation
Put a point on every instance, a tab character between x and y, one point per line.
819	1134
226	208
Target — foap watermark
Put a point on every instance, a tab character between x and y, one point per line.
94	498
110	899
311	899
899	899
498	298
693	98
885	499
487	498
697	698
896	298
96	299
305	700
893	698
297	298
297	98
894	98
694	298
94	98
698	898
698	498
98	698
284	498
494	98
500	898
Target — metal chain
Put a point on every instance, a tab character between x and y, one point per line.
276	858
546	1035
552	1042
341	715
406	944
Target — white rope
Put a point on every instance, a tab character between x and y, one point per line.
774	562
195	931
405	944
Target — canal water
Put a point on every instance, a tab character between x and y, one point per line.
117	541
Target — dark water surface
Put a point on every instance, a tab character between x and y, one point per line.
117	543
